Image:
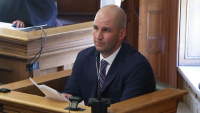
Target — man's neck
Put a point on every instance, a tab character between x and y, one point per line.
112	56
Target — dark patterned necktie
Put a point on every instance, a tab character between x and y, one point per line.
102	75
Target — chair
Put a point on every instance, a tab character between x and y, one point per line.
161	85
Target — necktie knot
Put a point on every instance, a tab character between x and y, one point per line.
104	63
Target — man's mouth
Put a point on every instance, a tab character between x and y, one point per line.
99	43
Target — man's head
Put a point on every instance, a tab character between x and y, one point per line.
109	29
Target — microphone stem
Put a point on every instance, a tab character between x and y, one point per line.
99	91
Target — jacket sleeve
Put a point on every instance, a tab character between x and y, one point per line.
72	86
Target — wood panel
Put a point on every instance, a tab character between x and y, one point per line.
130	7
59	53
8	111
180	83
173	42
155	61
51	80
12	69
77	7
153	27
158	33
163	101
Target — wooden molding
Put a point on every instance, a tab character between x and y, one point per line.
25	45
59	53
172	42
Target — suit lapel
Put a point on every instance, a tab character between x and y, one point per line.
115	67
92	71
92	75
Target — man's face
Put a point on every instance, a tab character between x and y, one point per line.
106	35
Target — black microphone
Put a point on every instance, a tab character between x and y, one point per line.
99	91
98	105
74	103
97	67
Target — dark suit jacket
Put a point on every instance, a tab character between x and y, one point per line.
130	75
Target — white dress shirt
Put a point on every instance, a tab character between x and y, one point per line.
109	59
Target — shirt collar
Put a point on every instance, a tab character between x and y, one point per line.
111	57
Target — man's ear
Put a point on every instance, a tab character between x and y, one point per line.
122	34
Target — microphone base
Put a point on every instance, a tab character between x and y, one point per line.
99	106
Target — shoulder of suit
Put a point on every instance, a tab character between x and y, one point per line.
132	52
128	47
88	51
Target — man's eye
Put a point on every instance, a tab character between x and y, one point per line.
95	27
107	30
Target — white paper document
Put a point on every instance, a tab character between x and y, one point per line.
50	93
6	25
9	26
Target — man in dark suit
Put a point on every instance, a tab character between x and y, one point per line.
127	73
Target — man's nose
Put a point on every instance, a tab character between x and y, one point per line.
99	34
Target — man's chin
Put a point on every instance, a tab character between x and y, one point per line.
99	49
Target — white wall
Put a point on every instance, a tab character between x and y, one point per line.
191	100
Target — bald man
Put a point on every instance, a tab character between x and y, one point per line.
123	72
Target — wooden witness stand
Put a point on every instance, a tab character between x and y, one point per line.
25	97
62	45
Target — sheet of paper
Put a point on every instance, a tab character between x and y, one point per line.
6	25
9	26
32	28
50	93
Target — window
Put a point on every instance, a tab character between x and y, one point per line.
189	47
189	51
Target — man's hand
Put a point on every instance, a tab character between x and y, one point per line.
66	95
19	24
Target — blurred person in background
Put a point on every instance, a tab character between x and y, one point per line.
26	13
